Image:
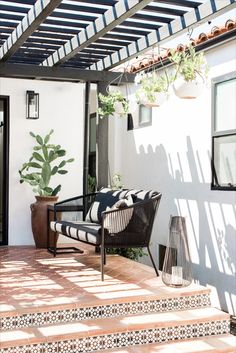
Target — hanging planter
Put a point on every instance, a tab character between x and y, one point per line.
191	73
113	104
188	89
155	101
153	90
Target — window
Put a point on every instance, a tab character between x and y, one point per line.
141	117
224	132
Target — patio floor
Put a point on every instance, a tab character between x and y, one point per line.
47	304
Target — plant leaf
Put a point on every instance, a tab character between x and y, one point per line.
61	153
52	156
48	190
39	140
62	171
46	139
37	148
32	134
38	157
56	190
70	160
54	170
33	165
62	164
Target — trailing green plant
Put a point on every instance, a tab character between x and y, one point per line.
150	84
116	182
130	253
190	64
43	167
91	184
108	103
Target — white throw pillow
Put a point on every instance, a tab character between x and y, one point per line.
116	222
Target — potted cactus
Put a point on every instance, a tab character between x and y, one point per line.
37	172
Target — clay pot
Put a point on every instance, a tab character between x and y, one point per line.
39	220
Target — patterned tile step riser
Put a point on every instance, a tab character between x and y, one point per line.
125	339
113	310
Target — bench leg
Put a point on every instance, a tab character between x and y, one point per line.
102	264
153	263
105	257
102	255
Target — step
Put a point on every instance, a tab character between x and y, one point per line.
41	317
213	344
94	335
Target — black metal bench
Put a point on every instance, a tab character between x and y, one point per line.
115	219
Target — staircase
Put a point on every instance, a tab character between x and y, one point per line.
163	320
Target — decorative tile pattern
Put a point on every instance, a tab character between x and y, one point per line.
113	310
128	338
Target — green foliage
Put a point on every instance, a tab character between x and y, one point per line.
150	84
41	162
91	184
116	183
190	64
130	253
108	102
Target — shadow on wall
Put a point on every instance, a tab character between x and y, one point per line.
210	215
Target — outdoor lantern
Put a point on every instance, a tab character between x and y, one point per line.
32	105
176	270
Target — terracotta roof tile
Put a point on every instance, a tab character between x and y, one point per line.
143	63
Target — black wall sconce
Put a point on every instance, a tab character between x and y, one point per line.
32	105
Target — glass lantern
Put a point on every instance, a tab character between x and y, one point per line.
176	270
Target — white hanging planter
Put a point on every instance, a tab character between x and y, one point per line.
119	109
188	89
160	97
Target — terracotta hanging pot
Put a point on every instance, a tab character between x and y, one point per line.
39	220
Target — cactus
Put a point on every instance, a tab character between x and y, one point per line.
43	156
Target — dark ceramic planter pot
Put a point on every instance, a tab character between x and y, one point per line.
39	220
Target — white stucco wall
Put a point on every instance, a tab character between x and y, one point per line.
61	107
173	156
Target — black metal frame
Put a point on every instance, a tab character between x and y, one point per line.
214	179
54	249
137	207
59	207
6	100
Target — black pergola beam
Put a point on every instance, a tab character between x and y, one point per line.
95	30
62	74
183	3
206	11
36	15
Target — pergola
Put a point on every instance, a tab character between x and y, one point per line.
81	41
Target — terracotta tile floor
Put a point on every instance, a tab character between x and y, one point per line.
33	280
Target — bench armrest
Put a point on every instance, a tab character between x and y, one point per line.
74	204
